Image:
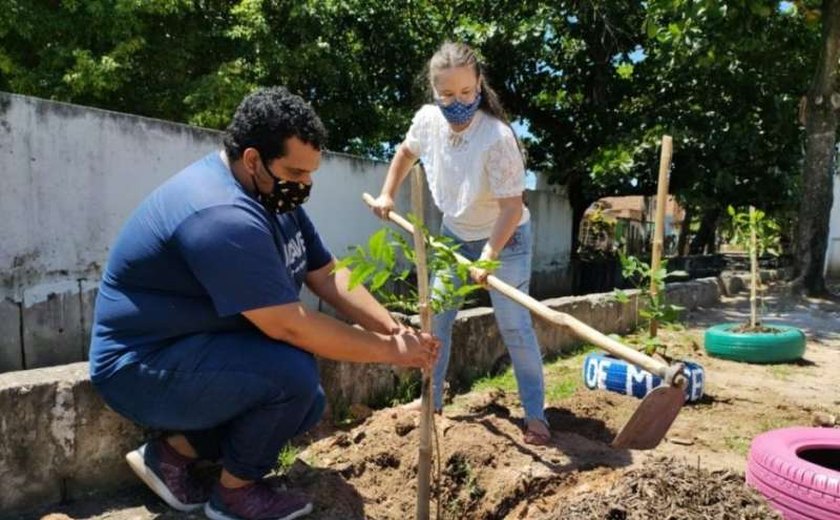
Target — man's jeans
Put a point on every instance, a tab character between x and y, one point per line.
238	396
513	319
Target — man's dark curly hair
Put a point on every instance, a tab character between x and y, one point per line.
266	118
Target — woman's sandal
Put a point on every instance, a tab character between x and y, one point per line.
536	432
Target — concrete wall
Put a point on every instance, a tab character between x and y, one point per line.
551	216
59	441
72	175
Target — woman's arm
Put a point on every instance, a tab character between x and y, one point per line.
509	216
400	165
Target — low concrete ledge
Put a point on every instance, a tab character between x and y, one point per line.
57	438
59	441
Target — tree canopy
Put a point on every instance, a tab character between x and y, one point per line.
595	83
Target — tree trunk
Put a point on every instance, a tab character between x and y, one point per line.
821	108
685	229
579	205
705	237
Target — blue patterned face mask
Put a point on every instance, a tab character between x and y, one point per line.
458	113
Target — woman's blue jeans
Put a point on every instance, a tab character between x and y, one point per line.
513	319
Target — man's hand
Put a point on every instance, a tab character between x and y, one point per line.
415	349
401	328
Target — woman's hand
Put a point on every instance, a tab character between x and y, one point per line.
382	206
479	276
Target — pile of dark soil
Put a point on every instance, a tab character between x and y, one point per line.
669	490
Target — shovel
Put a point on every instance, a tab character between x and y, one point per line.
654	416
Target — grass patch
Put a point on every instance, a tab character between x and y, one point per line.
561	383
504	381
562	376
287	457
774	423
673	326
738	444
340	411
782	372
406	390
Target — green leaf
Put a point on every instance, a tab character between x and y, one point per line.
345	262
379	280
377	244
360	276
621	296
625	70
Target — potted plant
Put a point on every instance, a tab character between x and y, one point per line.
754	341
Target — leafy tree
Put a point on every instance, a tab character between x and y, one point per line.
725	80
596	83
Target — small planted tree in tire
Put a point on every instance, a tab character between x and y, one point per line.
755	342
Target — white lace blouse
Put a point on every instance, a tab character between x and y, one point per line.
468	170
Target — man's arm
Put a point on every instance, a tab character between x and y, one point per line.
328	337
358	305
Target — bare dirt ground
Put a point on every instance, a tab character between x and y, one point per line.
368	470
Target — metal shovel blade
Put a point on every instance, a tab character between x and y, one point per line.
651	420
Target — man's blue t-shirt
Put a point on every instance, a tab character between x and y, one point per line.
194	255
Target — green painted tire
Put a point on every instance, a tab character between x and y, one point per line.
763	347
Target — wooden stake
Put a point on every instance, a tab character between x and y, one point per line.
424	461
659	227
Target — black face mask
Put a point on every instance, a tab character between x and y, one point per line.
285	195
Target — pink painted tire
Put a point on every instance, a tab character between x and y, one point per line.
798	471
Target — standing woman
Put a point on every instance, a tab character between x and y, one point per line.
476	174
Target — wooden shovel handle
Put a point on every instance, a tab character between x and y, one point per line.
582	330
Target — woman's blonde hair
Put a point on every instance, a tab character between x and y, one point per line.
455	54
452	54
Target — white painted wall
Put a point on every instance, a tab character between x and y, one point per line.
336	205
71	175
551	221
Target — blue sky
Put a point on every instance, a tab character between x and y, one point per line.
521	128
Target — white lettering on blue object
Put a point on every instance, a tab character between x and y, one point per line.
295	249
603	367
591	372
636	375
696	385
